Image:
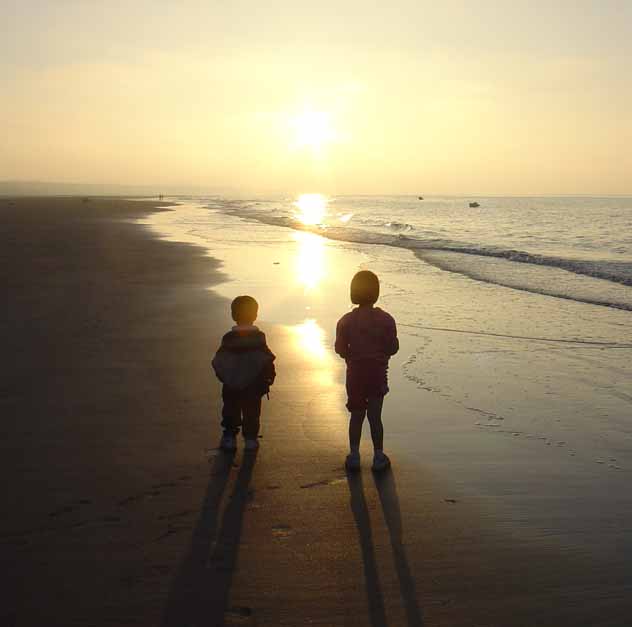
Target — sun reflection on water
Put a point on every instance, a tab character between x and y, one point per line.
311	339
310	260
312	208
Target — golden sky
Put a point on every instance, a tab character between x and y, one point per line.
341	97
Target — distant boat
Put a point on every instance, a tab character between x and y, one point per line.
420	197
474	204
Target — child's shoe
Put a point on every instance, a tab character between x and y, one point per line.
380	462
353	461
251	445
228	443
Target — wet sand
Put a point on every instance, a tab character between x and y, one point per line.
119	510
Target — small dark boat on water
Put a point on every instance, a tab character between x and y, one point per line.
420	197
474	204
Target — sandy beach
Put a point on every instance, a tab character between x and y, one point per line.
120	510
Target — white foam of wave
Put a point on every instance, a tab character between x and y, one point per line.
599	282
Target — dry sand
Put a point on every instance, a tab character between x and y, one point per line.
119	510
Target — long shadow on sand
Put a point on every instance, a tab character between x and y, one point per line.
363	523
199	592
386	488
385	485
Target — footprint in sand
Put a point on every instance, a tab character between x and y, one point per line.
237	615
323	482
282	531
182	514
162	569
212	453
66	509
130	500
165	484
171	529
155	490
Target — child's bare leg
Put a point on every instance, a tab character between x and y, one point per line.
374	413
355	429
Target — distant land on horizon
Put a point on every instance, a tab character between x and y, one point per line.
55	188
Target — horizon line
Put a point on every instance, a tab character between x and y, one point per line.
170	190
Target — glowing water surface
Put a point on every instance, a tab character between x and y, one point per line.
312	208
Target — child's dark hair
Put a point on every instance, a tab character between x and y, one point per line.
365	288
244	309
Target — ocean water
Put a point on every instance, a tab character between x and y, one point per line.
553	270
515	325
517	312
577	248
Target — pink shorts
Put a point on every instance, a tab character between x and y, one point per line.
364	381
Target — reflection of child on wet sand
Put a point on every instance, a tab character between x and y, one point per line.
366	337
245	365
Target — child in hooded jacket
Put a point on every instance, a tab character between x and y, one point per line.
245	366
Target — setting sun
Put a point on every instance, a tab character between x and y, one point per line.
313	129
234	234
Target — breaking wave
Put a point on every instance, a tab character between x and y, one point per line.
599	282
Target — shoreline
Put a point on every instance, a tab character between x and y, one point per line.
526	489
133	517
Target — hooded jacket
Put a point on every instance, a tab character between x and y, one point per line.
243	362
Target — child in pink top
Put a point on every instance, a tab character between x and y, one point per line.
366	337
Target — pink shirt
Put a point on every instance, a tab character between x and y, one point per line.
366	334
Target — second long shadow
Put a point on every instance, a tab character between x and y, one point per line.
199	593
386	488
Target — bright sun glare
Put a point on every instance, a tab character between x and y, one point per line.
310	260
313	129
312	208
311	339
